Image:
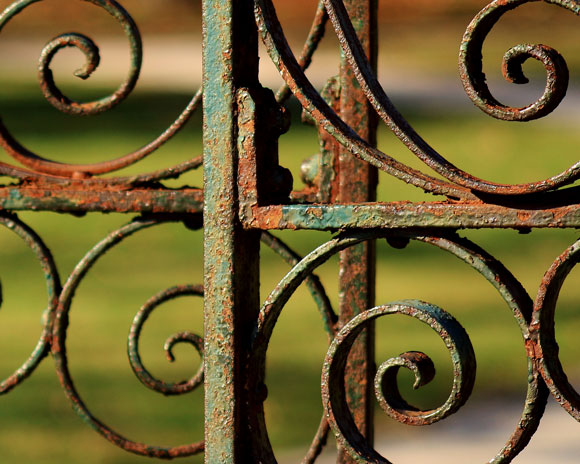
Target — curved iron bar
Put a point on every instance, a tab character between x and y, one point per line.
542	331
313	283
59	350
501	279
327	118
315	35
183	337
330	320
352	48
163	174
35	243
49	168
172	172
283	58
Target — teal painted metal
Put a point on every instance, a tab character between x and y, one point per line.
247	192
223	294
219	216
405	215
231	297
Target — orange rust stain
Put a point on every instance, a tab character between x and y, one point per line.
533	350
524	216
315	212
437	212
268	217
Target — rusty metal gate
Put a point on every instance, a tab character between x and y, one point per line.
247	193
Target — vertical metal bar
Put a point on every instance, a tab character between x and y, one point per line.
231	255
357	183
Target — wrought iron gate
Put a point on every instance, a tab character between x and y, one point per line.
247	193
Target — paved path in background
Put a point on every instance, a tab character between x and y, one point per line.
474	436
175	63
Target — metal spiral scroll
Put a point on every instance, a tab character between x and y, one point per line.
44	167
35	243
470	66
458	183
60	353
386	389
183	337
453	335
60	328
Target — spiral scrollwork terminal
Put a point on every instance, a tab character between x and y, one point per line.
455	338
473	78
60	353
183	337
390	399
46	168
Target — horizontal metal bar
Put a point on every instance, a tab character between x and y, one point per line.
80	200
404	215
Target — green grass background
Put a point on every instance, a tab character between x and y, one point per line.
38	425
37	412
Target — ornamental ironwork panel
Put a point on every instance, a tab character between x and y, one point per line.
247	193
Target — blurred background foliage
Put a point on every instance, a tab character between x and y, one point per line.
419	43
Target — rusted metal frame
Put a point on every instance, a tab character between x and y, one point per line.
231	312
83	200
323	114
231	256
401	215
357	183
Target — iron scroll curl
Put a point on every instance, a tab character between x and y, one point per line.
386	389
59	349
474	82
190	338
342	424
457	183
42	167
